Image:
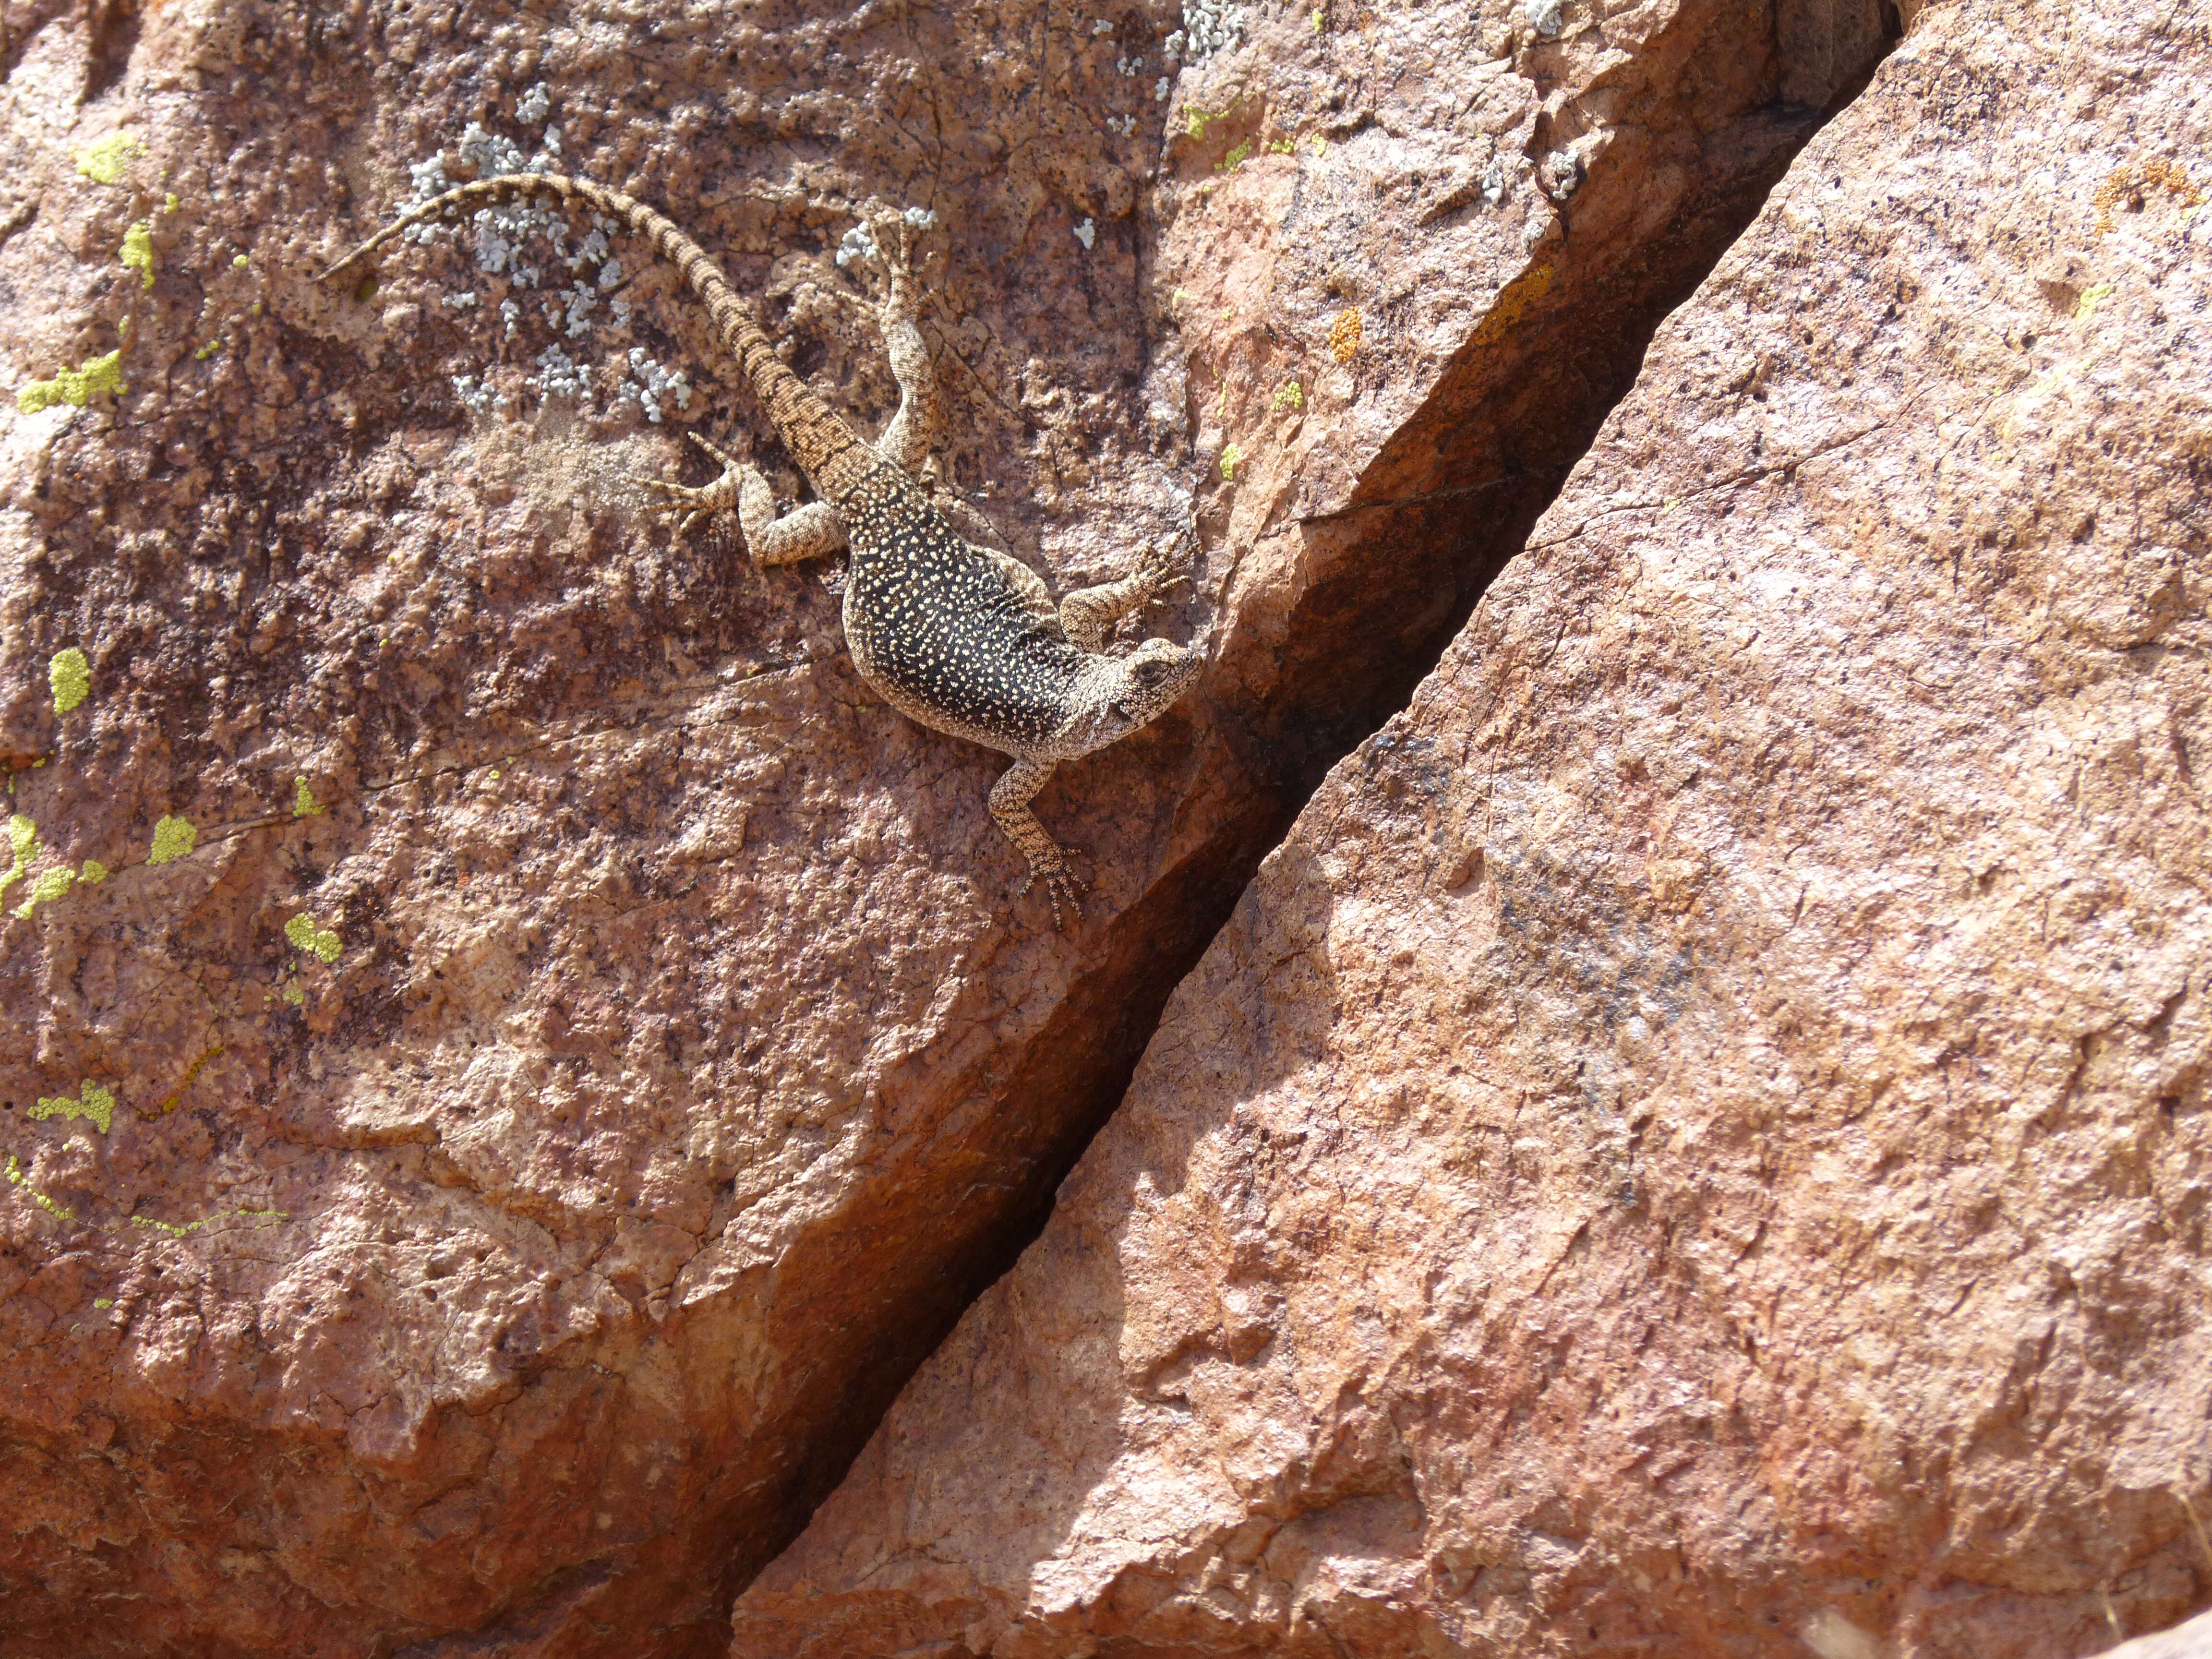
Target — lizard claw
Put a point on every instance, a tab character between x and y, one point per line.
698	504
1060	883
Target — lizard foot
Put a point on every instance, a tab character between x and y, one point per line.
1164	564
700	503
1060	883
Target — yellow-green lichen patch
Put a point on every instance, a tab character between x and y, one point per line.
12	1171
242	262
70	676
1231	457
94	873
171	204
170	1228
173	838
138	249
207	351
23	843
98	1105
304	804
103	1303
296	994
317	942
2091	299
77	385
1290	397
106	161
51	885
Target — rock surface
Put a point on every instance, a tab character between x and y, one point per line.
1698	1141
514	1054
2191	1641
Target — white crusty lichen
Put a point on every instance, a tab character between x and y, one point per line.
650	383
1209	27
1547	17
1087	233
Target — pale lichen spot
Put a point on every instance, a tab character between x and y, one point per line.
106	161
71	676
173	837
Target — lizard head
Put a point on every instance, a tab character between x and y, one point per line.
1149	680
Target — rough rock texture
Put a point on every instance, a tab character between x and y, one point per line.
551	1052
1698	1141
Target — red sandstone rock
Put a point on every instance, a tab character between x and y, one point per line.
522	1274
1697	1140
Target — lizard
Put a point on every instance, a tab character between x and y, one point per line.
961	638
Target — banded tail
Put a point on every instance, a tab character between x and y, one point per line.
830	452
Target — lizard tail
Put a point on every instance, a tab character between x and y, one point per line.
830	452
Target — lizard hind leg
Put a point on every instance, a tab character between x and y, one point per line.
811	531
905	442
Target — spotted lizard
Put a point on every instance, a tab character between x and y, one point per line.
964	639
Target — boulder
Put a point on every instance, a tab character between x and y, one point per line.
1697	1140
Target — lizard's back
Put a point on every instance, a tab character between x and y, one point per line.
942	630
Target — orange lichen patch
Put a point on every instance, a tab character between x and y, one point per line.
1512	304
2131	183
1344	337
169	1101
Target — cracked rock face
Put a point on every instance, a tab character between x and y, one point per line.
515	1053
1699	1138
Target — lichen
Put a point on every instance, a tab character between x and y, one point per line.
317	942
138	249
1512	304
1235	159
12	1171
51	885
2091	299
94	873
1290	397
1230	459
192	1071
108	161
71	676
76	386
98	1106
2129	183
304	804
1345	335
23	843
173	837
207	351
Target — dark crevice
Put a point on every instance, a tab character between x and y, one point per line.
1434	517
114	37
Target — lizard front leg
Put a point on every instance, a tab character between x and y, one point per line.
1088	614
1010	806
